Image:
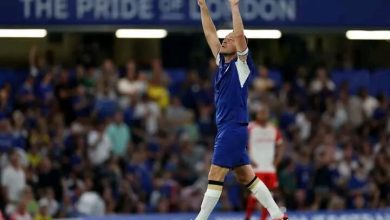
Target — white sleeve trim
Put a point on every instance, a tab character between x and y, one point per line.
218	59
243	71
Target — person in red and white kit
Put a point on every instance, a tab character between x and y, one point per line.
266	152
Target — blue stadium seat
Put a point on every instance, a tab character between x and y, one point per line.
356	79
276	76
177	77
14	77
380	82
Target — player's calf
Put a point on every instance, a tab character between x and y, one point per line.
263	195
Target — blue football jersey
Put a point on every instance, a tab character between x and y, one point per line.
231	90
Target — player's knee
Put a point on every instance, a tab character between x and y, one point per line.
217	174
242	179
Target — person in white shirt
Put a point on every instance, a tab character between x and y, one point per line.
369	103
21	212
131	85
321	82
99	145
90	203
265	151
13	178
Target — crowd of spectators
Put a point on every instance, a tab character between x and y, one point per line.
100	140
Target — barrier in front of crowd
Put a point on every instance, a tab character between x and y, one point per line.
342	215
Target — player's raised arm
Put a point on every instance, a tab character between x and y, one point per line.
209	29
238	30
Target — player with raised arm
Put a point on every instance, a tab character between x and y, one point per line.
266	152
230	95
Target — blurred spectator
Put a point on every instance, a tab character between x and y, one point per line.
21	212
90	203
131	85
81	103
49	177
64	92
49	202
99	145
176	115
263	83
13	179
32	204
369	103
6	137
149	112
26	95
157	90
119	134
321	82
5	104
108	74
43	213
20	132
45	93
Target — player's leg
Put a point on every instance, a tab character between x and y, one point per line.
250	206
251	203
214	190
271	181
246	176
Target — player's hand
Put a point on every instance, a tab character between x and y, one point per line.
202	3
234	2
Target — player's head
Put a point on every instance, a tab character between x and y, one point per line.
228	46
262	114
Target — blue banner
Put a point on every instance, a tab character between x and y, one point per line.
256	13
344	215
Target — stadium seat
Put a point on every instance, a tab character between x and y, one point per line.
177	77
380	82
356	79
276	76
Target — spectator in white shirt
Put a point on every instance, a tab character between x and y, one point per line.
130	85
13	178
369	103
90	203
321	82
21	212
99	145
